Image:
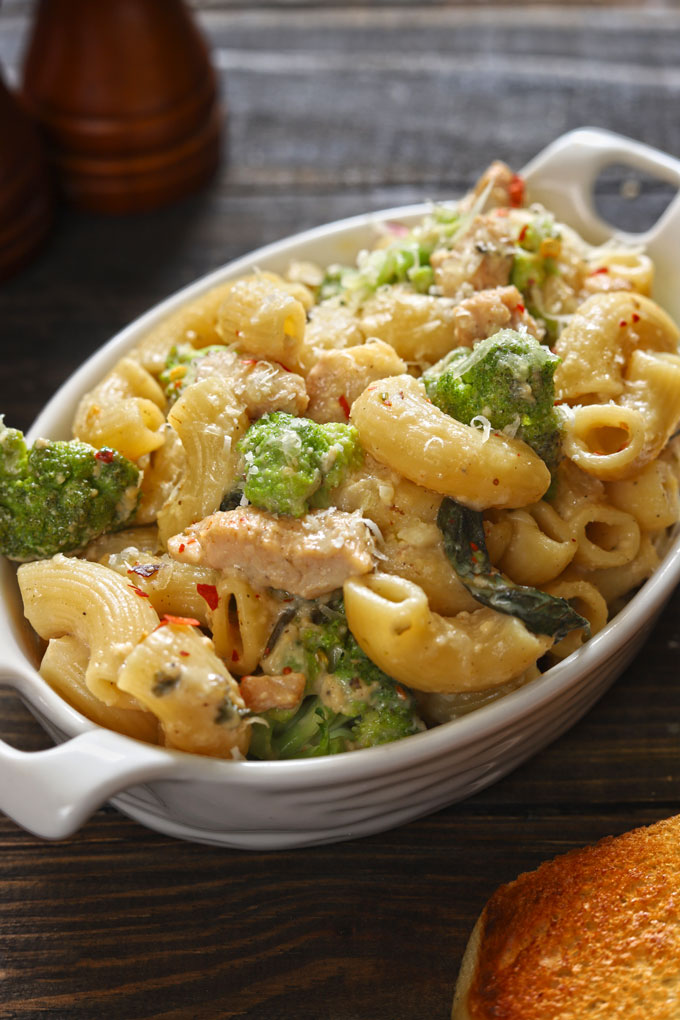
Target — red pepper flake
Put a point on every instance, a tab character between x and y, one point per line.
209	593
622	323
138	591
635	317
183	653
105	455
144	569
282	366
286	670
400	691
234	656
523	233
474	546
516	191
602	269
495	481
181	621
520	308
181	547
342	400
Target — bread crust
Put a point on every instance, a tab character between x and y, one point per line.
591	935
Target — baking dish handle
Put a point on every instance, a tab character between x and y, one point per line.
562	177
53	792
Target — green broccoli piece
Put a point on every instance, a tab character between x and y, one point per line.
58	496
181	366
350	703
291	464
507	379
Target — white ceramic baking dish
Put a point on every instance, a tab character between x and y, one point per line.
269	805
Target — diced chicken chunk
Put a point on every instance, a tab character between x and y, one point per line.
262	386
263	691
498	185
309	556
487	311
340	376
481	258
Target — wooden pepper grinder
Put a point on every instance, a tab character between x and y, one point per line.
25	188
127	99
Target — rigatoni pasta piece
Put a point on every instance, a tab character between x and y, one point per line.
393	623
605	536
419	327
175	673
64	665
399	426
632	267
532	556
65	595
209	422
242	621
605	440
614	583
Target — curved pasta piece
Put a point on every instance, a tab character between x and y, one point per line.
209	422
194	323
634	268
393	623
650	496
94	604
653	390
399	426
588	603
175	673
616	582
604	440
125	411
242	622
262	318
64	666
420	328
533	557
597	343
605	536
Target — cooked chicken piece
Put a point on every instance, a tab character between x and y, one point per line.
487	311
263	691
306	556
262	386
340	376
501	186
481	258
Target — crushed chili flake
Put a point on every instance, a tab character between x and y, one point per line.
495	481
105	455
523	232
234	656
635	317
344	404
186	621
138	591
474	546
183	653
400	691
622	323
520	308
181	547
602	269
516	191
144	569
286	670
209	593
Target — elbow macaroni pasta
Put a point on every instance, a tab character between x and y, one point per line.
158	648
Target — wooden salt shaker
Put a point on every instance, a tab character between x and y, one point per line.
127	100
25	188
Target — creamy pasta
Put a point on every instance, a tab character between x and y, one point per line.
369	498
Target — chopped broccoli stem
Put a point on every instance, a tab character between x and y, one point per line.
291	464
349	703
508	379
58	496
465	546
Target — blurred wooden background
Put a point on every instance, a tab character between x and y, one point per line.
332	109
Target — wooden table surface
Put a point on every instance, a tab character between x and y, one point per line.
332	110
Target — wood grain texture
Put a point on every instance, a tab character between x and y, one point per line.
334	109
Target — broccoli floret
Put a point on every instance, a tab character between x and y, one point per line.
507	379
181	366
58	496
291	464
350	703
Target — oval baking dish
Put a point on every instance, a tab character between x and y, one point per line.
271	805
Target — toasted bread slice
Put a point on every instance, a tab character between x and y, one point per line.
591	935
